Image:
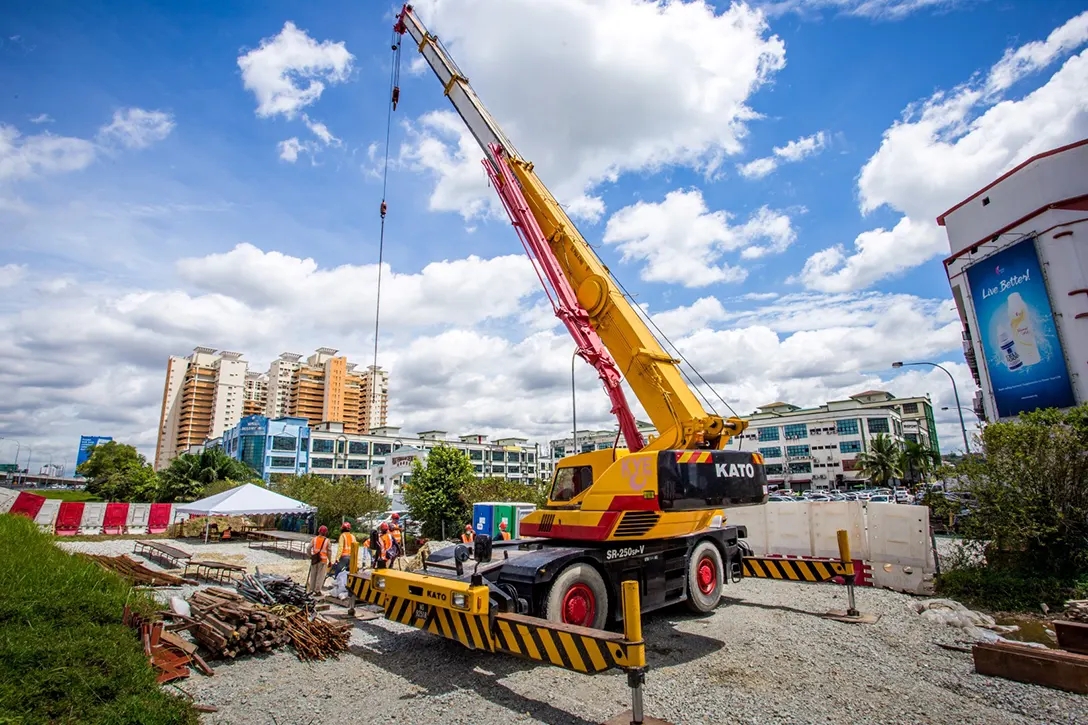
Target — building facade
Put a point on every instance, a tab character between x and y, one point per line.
328	388
1019	277
817	448
593	440
202	397
289	446
255	394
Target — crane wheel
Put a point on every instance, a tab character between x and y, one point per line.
705	578
578	596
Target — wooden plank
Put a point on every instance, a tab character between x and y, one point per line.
175	641
1050	668
1072	636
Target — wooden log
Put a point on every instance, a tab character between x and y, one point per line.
1050	668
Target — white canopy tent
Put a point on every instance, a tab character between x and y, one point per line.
245	500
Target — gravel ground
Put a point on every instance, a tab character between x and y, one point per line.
764	656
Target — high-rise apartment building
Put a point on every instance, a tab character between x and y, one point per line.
281	377
328	389
254	397
203	397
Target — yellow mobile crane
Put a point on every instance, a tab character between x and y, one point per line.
642	524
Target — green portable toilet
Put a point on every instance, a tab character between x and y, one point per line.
504	512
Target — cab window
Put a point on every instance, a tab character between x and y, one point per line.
570	482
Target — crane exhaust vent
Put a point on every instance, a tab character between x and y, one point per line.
636	523
546	522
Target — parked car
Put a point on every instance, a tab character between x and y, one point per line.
881	498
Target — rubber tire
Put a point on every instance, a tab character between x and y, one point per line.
697	601
578	574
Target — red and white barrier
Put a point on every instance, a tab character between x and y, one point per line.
7	498
68	518
115	518
137	518
47	515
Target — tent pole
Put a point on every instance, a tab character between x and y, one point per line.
207	525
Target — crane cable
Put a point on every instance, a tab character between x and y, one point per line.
394	95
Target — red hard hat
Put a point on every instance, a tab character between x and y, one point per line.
323	530
396	517
345	526
468	527
502	525
385	526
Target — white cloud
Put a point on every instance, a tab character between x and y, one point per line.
636	94
25	156
872	9
321	131
42	118
288	71
291	148
949	147
136	128
792	152
682	241
11	274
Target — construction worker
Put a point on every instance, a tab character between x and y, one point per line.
388	546
398	535
503	532
469	536
320	553
344	547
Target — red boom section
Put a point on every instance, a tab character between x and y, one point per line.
565	303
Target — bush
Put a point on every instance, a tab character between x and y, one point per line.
1007	590
434	495
65	657
501	489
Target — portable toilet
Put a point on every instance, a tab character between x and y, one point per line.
521	510
504	514
483	518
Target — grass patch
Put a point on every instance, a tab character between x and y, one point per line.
65	657
1008	590
64	495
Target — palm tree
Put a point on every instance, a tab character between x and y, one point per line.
917	462
881	463
189	473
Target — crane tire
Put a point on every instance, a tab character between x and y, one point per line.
578	596
706	576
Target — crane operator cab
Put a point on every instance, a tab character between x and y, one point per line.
615	494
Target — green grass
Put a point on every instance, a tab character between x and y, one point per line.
65	657
1007	590
65	495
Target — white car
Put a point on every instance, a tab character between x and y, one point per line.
880	498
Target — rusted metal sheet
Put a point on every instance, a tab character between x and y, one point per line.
1072	636
1049	668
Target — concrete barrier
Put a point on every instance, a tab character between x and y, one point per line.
47	514
889	542
93	516
137	518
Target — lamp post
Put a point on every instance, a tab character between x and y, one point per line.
955	391
18	450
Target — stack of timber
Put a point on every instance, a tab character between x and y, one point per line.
168	653
274	589
1077	610
314	638
228	625
136	572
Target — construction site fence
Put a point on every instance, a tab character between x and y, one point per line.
71	518
890	543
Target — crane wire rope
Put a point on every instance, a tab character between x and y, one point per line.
394	95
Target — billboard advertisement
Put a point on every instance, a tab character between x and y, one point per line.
252	425
1016	330
86	443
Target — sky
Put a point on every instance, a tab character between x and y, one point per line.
763	178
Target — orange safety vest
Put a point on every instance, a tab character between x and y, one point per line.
321	545
386	541
467	538
346	544
397	537
505	535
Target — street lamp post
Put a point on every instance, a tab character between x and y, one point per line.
18	450
955	391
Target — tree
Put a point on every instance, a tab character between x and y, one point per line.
434	495
344	498
1030	491
117	472
881	463
187	475
502	489
918	462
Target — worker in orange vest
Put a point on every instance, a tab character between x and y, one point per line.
468	537
398	535
345	546
320	552
503	532
388	546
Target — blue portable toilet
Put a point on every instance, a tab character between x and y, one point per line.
483	518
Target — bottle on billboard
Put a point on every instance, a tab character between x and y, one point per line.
1022	331
1008	352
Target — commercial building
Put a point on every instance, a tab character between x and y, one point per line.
812	448
1019	276
289	446
203	397
593	440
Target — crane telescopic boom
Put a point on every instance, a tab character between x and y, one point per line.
608	330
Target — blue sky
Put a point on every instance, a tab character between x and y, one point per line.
135	158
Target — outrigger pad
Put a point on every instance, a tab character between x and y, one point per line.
840	615
624	718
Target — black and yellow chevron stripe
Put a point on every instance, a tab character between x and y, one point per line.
470	630
802	570
363	591
561	646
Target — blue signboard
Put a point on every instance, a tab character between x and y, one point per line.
86	443
252	425
1017	333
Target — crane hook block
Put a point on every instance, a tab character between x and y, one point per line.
396	96
383	210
